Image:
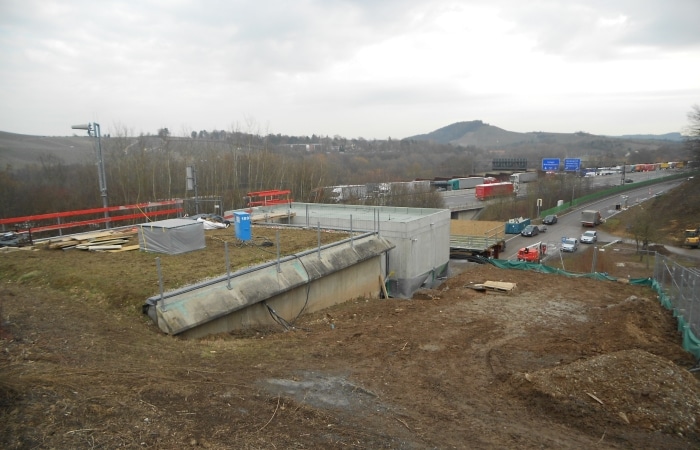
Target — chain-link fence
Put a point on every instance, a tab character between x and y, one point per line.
679	291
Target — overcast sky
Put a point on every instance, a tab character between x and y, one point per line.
355	68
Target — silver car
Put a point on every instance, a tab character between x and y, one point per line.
589	237
569	244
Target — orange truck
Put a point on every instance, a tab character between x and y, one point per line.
533	253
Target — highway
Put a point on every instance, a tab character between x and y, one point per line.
569	225
465	199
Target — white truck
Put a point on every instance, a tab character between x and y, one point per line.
346	193
465	183
590	218
523	177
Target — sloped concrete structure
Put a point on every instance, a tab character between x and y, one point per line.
304	282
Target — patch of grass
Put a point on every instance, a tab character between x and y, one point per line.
29	276
621	261
126	280
612	224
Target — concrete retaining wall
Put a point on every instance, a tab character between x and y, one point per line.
358	281
304	282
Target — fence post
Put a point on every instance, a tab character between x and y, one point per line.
352	240
693	300
277	238
228	267
691	292
160	277
318	233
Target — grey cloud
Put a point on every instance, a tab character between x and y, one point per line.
572	28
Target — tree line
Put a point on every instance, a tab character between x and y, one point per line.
231	164
150	168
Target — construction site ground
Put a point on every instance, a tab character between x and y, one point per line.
557	363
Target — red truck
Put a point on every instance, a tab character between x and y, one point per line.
532	253
486	191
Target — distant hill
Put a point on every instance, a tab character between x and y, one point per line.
590	148
663	137
475	133
479	134
19	150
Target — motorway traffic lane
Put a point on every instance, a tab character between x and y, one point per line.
569	224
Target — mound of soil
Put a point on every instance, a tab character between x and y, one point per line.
627	387
558	363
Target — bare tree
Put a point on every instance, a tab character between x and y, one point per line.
643	230
693	132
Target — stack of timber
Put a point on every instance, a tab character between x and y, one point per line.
101	241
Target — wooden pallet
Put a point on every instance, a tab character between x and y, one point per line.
493	286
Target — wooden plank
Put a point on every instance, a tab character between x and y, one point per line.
383	285
62	245
111	238
107	242
15	249
126	248
492	286
93	248
59	240
92	235
501	286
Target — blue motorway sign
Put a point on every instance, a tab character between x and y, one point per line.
550	164
572	164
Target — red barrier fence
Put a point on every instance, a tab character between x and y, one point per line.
266	198
144	212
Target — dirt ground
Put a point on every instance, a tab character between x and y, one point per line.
559	363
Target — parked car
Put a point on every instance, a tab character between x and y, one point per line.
569	245
589	237
218	218
530	230
550	219
12	239
629	180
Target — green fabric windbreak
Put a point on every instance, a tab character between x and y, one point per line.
522	265
690	344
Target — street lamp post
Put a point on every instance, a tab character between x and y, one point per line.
573	190
93	129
